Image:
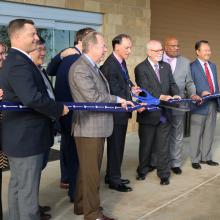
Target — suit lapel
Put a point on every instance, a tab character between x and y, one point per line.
119	68
178	63
200	68
99	75
161	69
36	72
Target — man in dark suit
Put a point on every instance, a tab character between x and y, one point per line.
26	135
156	77
203	119
38	56
115	71
59	67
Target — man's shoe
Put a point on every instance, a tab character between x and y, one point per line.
44	208
44	216
141	177
105	218
64	185
77	212
164	181
210	163
176	170
123	181
196	166
120	188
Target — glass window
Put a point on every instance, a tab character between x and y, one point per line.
56	40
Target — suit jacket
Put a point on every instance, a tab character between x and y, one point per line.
60	69
31	132
87	84
146	78
183	78
201	83
119	86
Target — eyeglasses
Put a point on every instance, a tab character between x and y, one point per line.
41	49
158	51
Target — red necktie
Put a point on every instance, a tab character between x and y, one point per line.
208	76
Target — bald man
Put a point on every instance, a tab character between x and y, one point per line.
156	77
180	67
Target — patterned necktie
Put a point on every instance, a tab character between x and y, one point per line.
209	79
156	66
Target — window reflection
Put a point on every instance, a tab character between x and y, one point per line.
56	40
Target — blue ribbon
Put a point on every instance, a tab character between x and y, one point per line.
82	106
152	104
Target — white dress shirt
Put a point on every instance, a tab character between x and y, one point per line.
210	70
171	61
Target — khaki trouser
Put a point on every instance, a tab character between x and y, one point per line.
87	200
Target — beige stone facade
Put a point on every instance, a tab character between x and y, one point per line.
120	16
189	21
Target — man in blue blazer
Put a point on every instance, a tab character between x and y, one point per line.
59	67
26	136
203	120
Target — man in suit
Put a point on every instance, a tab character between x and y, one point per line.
38	56
3	50
115	71
32	133
68	154
88	84
180	67
203	119
156	77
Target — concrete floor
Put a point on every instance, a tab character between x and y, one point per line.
194	195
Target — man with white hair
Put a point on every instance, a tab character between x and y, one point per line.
156	77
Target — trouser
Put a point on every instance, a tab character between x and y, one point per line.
202	135
154	138
176	140
115	151
87	200
23	190
71	161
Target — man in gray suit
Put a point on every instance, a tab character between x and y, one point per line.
182	75
88	84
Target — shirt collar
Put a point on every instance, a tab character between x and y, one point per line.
90	60
152	64
166	57
23	52
77	48
119	59
202	62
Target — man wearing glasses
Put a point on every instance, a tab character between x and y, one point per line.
156	77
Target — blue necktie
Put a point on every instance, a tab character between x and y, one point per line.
125	71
